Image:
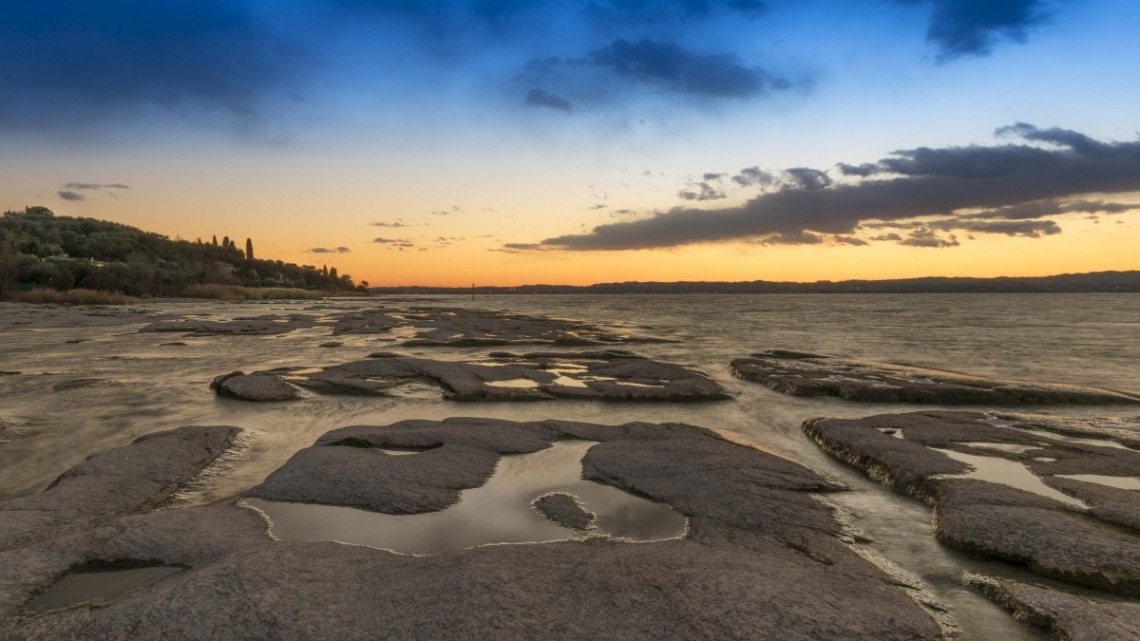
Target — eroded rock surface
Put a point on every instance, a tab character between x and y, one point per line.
264	325
807	374
1001	488
762	559
113	483
253	387
565	510
1067	617
460	327
29	315
609	375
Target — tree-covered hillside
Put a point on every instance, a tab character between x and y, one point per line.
40	249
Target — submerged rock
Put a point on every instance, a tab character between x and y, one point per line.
763	559
807	374
1065	616
607	376
1002	490
462	327
253	387
265	325
565	510
74	384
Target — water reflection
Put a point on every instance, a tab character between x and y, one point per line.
500	511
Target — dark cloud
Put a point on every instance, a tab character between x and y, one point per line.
540	98
398	243
929	238
701	191
675	68
1029	228
71	195
890	236
806	178
393	223
973	27
1055	207
793	238
96	186
709	177
915	183
751	176
67	63
849	240
328	250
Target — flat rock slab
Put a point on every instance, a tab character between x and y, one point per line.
113	483
763	559
253	387
264	325
39	316
1007	489
1065	616
808	374
462	327
565	510
607	376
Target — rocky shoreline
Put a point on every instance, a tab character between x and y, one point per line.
549	526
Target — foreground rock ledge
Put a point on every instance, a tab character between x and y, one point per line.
113	483
808	374
1065	616
763	559
1096	544
610	375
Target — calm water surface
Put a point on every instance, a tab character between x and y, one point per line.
1084	339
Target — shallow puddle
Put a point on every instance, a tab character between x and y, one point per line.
1122	482
515	383
1015	448
98	586
1005	472
1099	442
498	512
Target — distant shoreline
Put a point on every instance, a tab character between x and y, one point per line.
1095	282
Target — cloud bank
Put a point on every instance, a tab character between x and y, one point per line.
970	189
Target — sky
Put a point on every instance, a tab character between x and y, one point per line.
492	142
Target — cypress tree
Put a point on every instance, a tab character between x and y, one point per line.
249	249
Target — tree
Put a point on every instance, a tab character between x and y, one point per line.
215	240
248	249
225	241
9	263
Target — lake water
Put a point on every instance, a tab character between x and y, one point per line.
1084	339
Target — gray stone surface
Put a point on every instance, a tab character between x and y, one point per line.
112	483
1052	538
565	510
461	327
762	560
1067	617
608	376
263	325
807	374
253	387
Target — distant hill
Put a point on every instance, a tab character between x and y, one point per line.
40	249
1125	281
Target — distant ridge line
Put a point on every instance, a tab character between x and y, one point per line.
1105	282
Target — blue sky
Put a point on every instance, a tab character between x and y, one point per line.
559	114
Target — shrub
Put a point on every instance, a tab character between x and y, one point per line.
70	297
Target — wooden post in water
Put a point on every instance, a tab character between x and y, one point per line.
472	291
